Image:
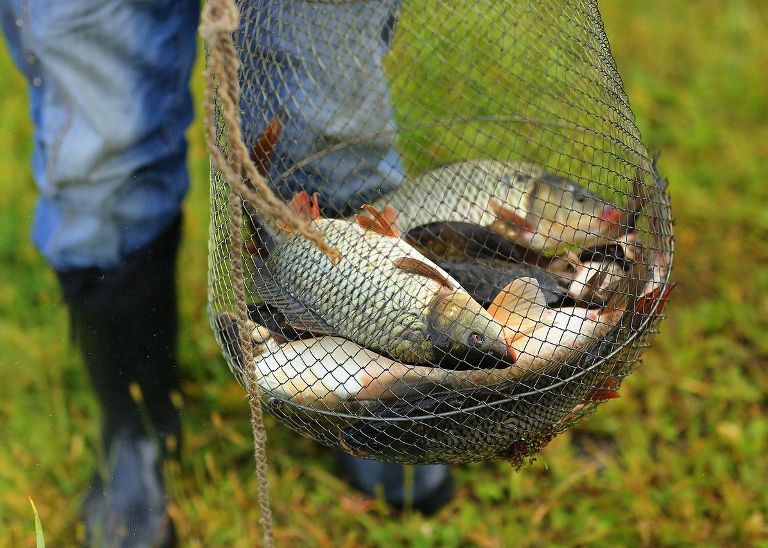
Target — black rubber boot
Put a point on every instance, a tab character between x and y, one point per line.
124	322
432	485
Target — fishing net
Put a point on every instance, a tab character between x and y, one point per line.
504	239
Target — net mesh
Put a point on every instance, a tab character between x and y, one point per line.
513	249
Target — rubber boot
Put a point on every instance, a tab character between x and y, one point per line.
124	322
430	490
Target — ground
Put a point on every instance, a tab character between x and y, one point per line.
679	459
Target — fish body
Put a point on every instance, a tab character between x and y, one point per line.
382	294
328	372
484	278
462	192
460	241
546	336
324	372
520	201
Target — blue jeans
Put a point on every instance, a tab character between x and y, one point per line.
110	102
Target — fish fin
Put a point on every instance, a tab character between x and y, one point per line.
602	394
390	214
596	281
520	302
305	206
262	151
419	267
380	222
509	215
644	304
296	314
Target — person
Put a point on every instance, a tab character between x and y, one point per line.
110	102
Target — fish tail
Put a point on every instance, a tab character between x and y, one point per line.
645	304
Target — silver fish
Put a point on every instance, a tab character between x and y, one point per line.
383	294
520	201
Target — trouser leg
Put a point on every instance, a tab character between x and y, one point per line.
109	97
125	324
319	66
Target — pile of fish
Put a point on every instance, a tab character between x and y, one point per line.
472	275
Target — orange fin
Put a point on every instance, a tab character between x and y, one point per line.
381	223
508	215
606	389
305	206
603	394
416	266
262	151
390	215
645	303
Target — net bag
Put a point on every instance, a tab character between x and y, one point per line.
502	239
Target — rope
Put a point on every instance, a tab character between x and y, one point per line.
251	375
219	20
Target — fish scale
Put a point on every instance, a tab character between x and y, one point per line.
366	297
432	197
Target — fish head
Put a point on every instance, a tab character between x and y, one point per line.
461	327
565	212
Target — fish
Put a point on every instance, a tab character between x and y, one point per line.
520	201
383	294
335	375
543	338
547	337
460	241
484	278
507	414
600	269
325	372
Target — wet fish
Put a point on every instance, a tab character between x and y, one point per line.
459	241
543	338
484	278
326	372
520	201
383	294
546	336
511	420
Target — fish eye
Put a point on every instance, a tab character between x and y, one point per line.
475	339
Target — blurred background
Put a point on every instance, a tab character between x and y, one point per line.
679	459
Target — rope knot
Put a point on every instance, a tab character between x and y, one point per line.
219	17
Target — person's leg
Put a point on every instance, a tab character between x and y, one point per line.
319	66
108	85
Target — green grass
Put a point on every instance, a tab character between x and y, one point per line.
679	459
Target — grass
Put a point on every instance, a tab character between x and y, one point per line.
679	459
